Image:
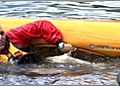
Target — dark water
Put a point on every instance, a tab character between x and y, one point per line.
79	73
64	9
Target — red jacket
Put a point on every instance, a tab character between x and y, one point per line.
22	35
39	29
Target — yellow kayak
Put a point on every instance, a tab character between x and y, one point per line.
100	37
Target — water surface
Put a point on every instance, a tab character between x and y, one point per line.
96	73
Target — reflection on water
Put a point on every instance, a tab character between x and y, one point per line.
78	72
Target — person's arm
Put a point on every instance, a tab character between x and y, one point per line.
45	29
52	35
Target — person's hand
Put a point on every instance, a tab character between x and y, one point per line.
68	47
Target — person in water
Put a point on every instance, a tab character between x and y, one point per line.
21	36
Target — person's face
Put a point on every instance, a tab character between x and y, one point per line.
2	39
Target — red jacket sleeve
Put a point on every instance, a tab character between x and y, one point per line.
22	35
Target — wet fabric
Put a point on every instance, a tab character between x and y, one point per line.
22	35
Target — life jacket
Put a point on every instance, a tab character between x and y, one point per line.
13	51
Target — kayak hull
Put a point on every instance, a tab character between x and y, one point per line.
100	37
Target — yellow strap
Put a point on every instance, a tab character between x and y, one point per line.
12	50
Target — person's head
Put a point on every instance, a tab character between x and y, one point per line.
2	38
